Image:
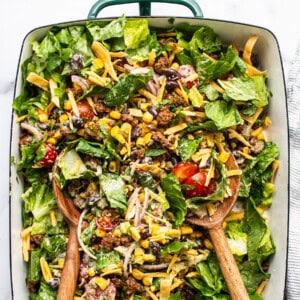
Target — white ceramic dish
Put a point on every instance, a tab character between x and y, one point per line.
269	53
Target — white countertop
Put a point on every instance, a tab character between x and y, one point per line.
18	17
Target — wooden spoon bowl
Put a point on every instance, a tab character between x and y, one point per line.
70	270
214	224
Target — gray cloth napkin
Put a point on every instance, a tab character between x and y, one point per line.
293	90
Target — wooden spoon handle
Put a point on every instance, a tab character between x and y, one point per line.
228	264
70	271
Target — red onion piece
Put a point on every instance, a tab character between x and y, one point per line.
81	82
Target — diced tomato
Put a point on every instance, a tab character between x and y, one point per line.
198	188
49	157
85	111
185	170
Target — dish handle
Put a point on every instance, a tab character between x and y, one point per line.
144	6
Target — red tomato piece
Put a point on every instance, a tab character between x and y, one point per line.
197	182
50	156
85	111
185	170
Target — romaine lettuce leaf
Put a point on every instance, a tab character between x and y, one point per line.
126	87
113	188
39	200
224	113
92	148
102	32
251	88
236	238
171	187
54	246
71	165
206	40
136	30
187	147
105	259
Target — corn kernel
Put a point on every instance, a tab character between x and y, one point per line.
186	230
63	118
102	283
114	114
100	233
261	136
57	135
52	140
113	166
147	138
257	131
135	234
81	132
137	274
60	262
145	244
116	134
147	281
175	66
117	233
43	117
208	244
139	252
91	272
154	228
267	121
149	257
67	105
147	117
144	106
196	235
124	226
139	142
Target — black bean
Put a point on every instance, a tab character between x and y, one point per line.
136	131
155	247
54	282
171	85
77	122
91	200
171	74
152	110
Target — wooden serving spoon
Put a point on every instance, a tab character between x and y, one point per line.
214	224
70	270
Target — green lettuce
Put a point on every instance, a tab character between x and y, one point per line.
187	147
251	88
224	114
171	187
125	88
104	259
236	238
102	32
39	200
136	30
54	246
92	148
113	188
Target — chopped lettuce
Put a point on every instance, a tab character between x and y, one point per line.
126	87
104	259
113	188
171	187
236	238
113	29
71	165
92	148
187	147
54	246
224	113
136	30
251	88
39	200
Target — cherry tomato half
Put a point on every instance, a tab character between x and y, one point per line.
198	188
85	111
185	170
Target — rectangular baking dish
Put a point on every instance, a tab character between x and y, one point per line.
268	50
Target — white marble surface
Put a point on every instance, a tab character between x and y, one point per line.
18	17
